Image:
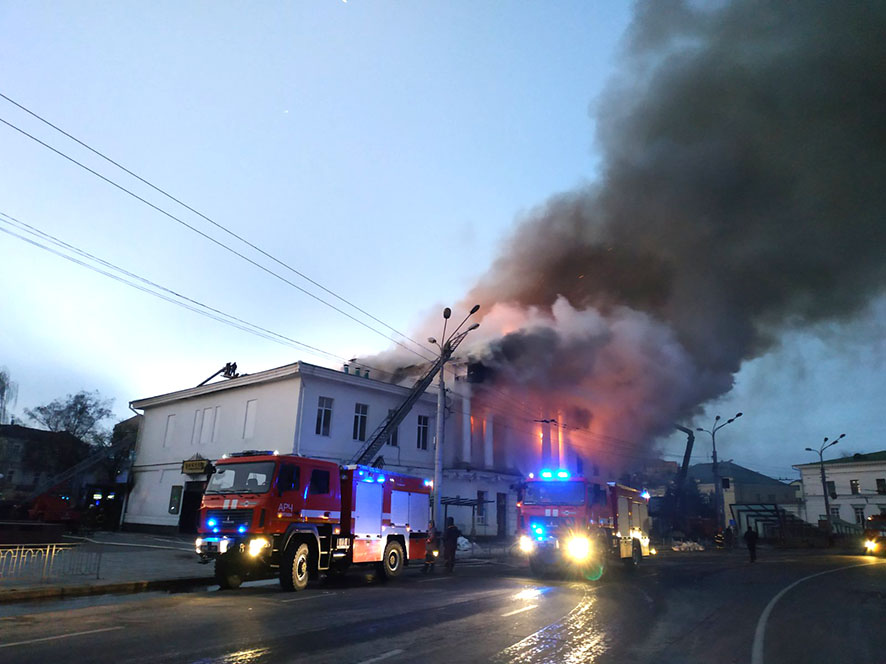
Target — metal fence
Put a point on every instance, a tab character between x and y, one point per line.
42	563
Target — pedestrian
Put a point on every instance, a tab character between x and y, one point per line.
431	549
750	538
450	543
729	537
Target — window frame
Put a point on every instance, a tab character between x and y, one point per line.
323	426
360	418
423	427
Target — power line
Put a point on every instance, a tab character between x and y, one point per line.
215	241
108	269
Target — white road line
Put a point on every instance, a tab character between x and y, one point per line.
436	578
305	599
384	655
515	612
60	636
760	631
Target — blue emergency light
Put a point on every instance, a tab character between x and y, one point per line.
212	523
563	474
380	479
241	529
546	474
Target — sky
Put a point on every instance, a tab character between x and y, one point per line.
386	150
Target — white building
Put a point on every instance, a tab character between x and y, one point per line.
856	488
322	413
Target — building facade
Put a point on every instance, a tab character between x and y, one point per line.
321	413
856	488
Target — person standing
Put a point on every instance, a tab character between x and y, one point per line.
450	543
431	549
750	538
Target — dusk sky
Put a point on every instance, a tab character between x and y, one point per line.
385	150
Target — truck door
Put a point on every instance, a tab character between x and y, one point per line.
367	521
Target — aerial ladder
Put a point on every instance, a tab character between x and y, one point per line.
367	452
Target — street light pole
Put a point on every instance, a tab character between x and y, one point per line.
715	468
446	346
824	484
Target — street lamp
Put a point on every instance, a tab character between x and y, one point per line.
718	487
446	346
824	485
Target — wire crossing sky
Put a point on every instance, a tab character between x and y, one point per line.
387	151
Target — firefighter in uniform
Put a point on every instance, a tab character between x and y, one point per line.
431	549
450	543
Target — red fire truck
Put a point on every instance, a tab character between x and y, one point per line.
573	524
265	514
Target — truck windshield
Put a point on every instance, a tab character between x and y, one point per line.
242	477
554	493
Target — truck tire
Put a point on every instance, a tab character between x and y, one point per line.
227	575
295	570
392	561
633	562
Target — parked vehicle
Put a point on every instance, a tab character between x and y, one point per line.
265	514
875	535
571	524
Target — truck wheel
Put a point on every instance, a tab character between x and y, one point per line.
227	576
392	562
636	556
295	570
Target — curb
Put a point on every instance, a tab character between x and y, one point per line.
126	587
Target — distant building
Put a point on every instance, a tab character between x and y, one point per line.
743	486
29	457
856	486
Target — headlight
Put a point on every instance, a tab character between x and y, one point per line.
257	545
870	545
197	543
526	544
578	548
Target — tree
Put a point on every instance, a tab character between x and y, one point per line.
8	393
80	415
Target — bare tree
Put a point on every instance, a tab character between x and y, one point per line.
79	414
8	393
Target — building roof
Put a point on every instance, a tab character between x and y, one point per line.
272	375
704	473
871	457
18	432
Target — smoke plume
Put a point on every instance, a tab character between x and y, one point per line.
742	193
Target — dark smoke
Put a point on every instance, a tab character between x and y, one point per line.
742	193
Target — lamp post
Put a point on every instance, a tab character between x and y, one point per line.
718	487
446	346
824	485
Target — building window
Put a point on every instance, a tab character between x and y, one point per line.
481	508
394	439
832	489
881	486
361	414
859	513
835	512
422	435
249	419
853	487
324	416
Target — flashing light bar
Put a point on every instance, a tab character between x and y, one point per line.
212	523
645	495
553	474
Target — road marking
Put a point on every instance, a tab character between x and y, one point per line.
516	611
760	631
60	636
305	599
436	578
384	655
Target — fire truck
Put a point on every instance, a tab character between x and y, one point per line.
263	513
266	514
571	524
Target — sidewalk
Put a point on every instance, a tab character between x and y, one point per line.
138	562
128	562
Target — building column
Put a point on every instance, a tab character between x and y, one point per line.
466	425
488	461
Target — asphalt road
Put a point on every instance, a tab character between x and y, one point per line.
710	607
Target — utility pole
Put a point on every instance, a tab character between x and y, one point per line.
447	345
715	468
824	484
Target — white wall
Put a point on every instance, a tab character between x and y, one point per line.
868	499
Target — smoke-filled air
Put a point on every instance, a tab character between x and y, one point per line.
741	193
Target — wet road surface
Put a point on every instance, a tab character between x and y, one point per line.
681	608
